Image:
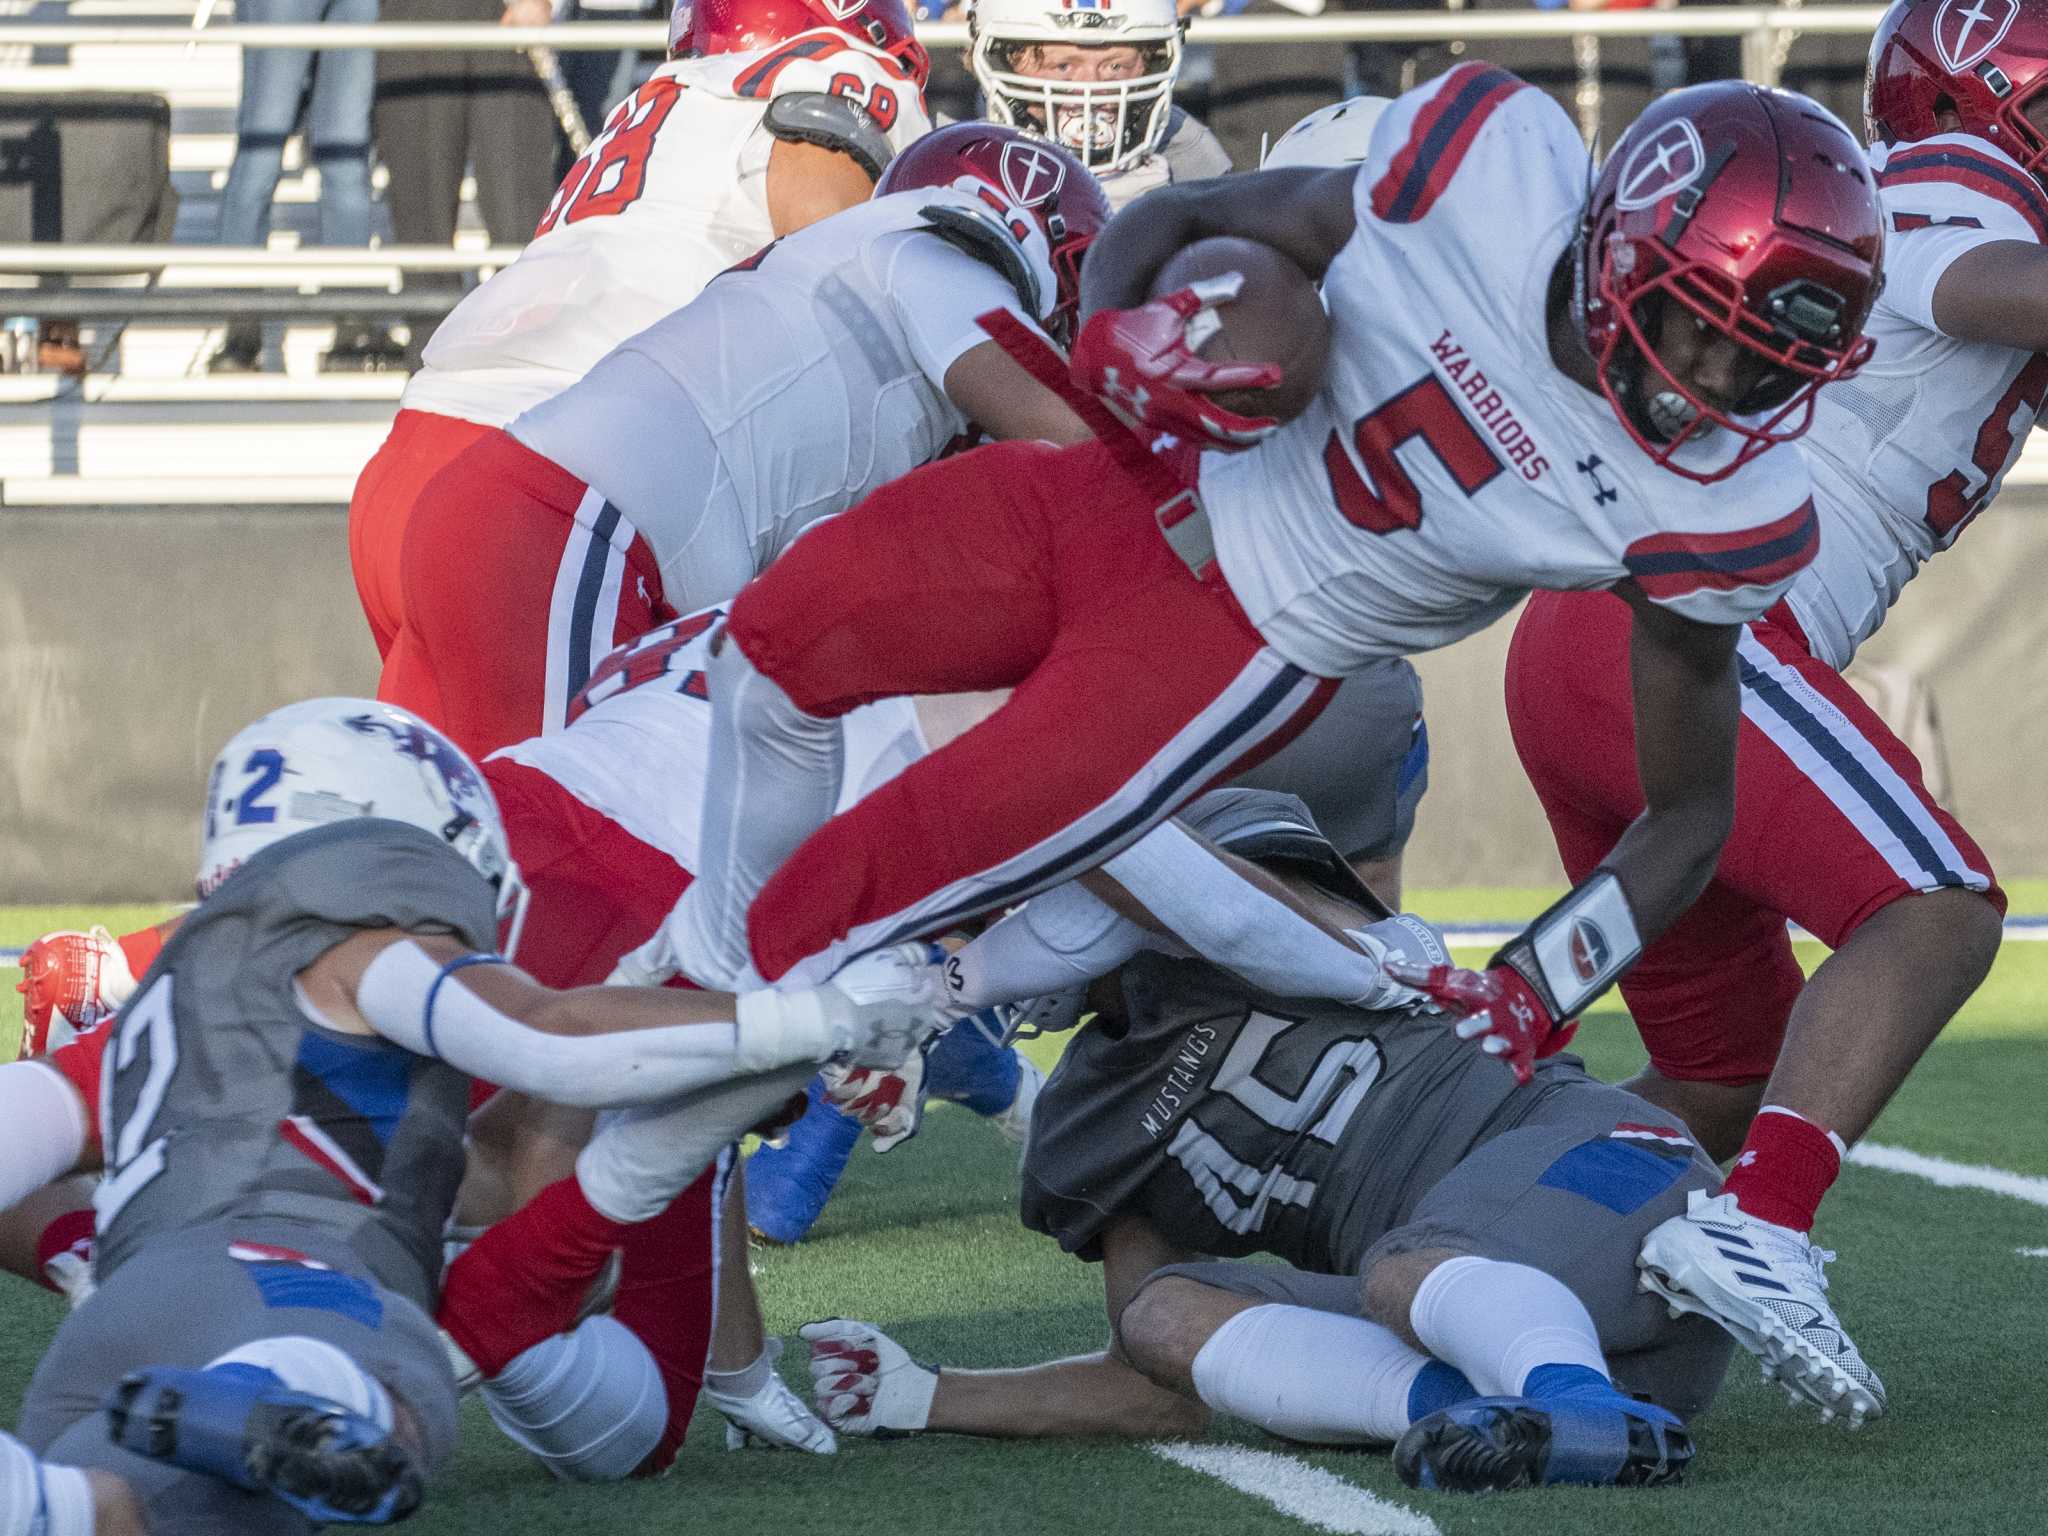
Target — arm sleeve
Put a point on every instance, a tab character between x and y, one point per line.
42	1129
412	1001
938	290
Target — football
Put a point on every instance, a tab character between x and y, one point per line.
1277	317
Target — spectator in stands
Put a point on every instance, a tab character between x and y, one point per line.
274	82
598	80
439	112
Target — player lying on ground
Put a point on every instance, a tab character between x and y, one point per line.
281	1131
1466	379
769	115
1463	1245
1833	827
690	455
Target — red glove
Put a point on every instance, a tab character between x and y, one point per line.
1139	363
1498	1008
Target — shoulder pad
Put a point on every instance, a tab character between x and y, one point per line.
983	236
831	122
1270	825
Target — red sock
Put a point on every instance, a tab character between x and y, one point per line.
1786	1166
525	1279
70	1233
666	1291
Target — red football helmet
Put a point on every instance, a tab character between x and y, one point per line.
1983	59
1034	187
1755	211
698	28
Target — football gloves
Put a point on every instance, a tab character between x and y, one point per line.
888	1103
70	981
1496	1006
773	1417
1144	364
864	1383
886	1006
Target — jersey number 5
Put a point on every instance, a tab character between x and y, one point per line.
1949	502
1426	410
612	173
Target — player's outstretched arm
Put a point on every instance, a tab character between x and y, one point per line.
1996	293
1304	211
610	1047
992	390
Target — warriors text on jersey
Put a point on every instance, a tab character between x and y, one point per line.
222	1097
785	392
671	193
1448	466
1912	448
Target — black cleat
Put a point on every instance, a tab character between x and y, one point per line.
1494	1444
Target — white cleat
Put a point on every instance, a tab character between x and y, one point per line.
1015	1122
1767	1287
774	1417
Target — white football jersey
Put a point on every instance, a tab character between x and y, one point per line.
1447	466
638	745
785	393
1907	452
672	192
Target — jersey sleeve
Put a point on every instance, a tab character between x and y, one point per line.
1722	575
1473	136
940	291
1191	151
1944	197
829	63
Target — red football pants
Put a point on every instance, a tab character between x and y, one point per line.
421	444
515	579
1832	823
1138	683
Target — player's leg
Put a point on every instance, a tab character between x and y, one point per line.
43	1496
517	580
1517	1267
420	445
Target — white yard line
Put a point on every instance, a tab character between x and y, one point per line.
2032	1253
1939	1170
1311	1495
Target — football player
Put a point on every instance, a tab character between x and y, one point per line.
1170	621
1834	827
1097	80
768	116
1454	1235
692	454
280	1127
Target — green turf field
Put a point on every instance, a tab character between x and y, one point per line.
924	1243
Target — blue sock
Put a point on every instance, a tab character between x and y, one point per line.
968	1067
1570	1381
1437	1386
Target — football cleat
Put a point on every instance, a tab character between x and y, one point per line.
1015	1121
1767	1286
787	1186
1494	1444
242	1425
774	1417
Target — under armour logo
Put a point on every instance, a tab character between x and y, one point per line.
1603	493
1966	30
1031	173
1132	400
1663	165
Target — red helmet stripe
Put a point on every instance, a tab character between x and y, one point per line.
1978	172
1668	565
1437	140
759	81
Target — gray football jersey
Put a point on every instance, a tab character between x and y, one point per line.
222	1099
1241	1123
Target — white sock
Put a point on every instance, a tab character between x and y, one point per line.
39	1499
1317	1377
1497	1322
316	1367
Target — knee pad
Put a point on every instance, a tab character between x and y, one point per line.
316	1367
588	1405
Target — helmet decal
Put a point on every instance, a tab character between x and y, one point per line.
1966	30
1663	165
465	788
1030	175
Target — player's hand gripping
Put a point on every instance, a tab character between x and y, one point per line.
888	1102
1498	1008
885	1006
76	978
1144	364
864	1383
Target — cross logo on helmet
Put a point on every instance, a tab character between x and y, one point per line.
1663	165
1966	30
844	10
1030	175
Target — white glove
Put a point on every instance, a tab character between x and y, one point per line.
890	1104
647	966
1404	939
884	1006
863	1382
774	1417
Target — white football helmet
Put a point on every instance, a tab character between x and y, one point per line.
1338	134
1108	124
326	760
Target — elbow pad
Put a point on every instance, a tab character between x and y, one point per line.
831	122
